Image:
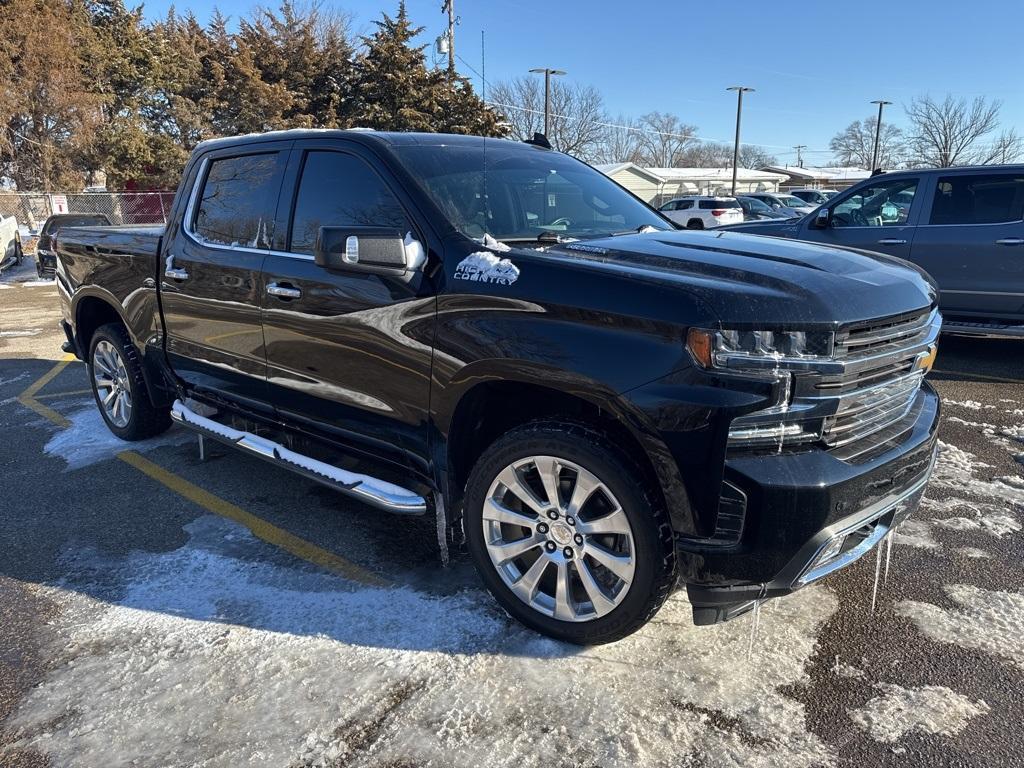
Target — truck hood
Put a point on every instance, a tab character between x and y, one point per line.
766	280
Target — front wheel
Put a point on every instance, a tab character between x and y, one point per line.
566	535
119	386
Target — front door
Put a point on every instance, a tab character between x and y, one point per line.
348	352
878	216
972	242
210	279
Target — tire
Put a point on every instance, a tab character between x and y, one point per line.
613	604
695	224
39	270
115	370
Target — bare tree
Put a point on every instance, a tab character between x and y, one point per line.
950	132
577	113
664	138
753	156
1008	148
855	144
620	141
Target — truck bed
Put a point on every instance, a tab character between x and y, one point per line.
129	239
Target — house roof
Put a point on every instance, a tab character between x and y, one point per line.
827	173
716	174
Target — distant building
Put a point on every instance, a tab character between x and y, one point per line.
839	177
657	185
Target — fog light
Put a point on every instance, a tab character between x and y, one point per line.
831	551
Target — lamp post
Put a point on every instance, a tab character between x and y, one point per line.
547	93
740	90
878	133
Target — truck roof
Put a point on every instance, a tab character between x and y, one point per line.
363	135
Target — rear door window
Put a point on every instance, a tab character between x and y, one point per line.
336	190
709	205
978	199
237	204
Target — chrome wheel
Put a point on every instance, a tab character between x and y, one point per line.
112	385
559	538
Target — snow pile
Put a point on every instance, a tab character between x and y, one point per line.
972	405
974	552
989	621
916	533
216	656
88	440
955	470
998	524
931	709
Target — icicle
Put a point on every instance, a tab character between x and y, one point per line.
878	571
755	620
888	554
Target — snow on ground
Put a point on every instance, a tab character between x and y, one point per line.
931	709
974	552
213	656
916	533
88	441
989	621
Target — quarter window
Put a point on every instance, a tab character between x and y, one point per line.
337	190
978	199
882	204
238	200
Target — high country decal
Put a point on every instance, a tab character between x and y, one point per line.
483	267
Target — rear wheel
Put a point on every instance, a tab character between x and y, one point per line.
566	536
119	386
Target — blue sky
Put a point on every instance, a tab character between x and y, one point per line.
815	65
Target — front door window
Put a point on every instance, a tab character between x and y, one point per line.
883	204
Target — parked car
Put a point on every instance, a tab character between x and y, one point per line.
10	241
597	406
788	205
814	197
46	257
755	210
703	212
963	226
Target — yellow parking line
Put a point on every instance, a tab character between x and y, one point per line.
69	393
260	528
28	397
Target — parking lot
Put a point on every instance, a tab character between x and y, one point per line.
160	609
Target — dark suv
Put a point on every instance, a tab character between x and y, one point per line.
46	257
964	226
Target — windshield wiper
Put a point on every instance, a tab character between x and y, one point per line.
543	237
643	229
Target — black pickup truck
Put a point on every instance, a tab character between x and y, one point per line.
596	406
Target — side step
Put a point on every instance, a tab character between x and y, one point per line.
987	330
370	490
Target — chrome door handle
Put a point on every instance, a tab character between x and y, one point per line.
1011	241
891	241
283	291
176	273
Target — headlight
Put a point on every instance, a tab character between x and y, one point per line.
758	350
771	355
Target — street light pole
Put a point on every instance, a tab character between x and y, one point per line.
547	93
878	133
740	90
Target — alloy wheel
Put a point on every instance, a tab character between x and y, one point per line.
112	385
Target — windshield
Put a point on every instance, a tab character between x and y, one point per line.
516	191
792	201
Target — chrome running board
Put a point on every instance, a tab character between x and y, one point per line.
370	490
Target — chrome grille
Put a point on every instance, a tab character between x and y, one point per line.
869	410
891	334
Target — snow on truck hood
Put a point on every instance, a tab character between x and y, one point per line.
779	280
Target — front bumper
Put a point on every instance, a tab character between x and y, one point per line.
799	503
46	261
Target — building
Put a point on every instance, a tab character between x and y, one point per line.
657	185
839	177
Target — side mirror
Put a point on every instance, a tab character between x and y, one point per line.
822	219
361	249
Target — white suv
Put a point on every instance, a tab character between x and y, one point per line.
701	212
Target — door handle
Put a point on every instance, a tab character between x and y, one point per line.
283	291
176	273
891	241
1011	241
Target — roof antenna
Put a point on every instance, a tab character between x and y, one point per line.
539	140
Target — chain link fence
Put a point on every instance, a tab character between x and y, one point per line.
31	209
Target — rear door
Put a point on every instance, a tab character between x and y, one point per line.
972	242
878	216
210	281
348	351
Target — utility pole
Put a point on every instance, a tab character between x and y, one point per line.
740	90
547	93
449	8
878	133
799	157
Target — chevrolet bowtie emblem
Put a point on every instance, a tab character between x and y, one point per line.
926	359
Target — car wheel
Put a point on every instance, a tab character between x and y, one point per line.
566	535
695	224
119	386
